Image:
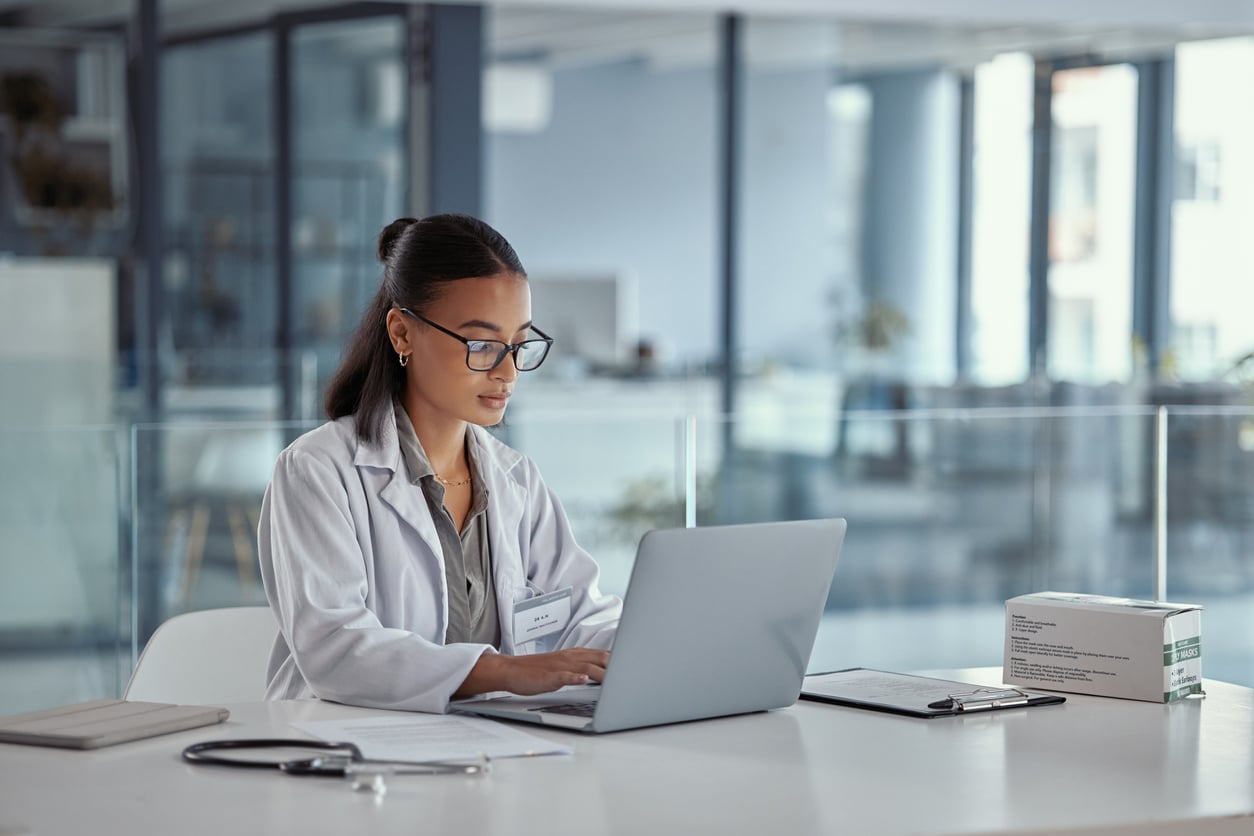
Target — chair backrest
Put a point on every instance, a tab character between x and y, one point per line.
209	656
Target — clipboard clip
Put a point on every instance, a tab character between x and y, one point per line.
983	698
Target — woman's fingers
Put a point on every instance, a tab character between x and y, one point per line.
535	674
549	671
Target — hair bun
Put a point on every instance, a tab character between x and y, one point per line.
390	234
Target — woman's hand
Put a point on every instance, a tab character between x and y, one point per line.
536	674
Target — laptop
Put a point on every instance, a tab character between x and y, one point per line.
717	620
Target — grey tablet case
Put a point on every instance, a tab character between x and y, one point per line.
90	725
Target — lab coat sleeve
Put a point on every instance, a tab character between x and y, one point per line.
316	577
556	561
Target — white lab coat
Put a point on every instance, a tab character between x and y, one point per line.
353	569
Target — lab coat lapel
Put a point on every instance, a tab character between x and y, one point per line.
405	499
410	505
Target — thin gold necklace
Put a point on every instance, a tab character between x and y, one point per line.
451	484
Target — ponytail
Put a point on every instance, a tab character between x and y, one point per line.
370	375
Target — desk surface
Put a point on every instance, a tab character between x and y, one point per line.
1091	765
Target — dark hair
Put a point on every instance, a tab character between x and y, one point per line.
419	257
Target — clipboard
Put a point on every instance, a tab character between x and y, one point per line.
915	696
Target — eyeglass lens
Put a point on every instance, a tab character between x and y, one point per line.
485	355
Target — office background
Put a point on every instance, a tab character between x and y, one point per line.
976	278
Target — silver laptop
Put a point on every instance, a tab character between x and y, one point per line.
717	620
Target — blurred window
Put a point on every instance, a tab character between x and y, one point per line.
1092	194
217	114
1001	200
348	151
1212	261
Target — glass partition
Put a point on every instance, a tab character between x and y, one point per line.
1210	531
200	391
613	492
104	534
64	625
195	527
196	534
950	513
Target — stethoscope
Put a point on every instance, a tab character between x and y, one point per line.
334	760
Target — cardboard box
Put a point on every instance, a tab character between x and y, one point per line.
1112	647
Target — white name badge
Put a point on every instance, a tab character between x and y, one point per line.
542	616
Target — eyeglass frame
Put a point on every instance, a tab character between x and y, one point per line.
509	348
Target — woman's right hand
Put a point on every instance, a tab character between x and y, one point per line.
535	674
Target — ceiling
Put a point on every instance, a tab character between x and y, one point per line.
1150	13
852	34
564	37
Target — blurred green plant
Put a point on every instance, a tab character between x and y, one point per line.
48	174
652	502
873	325
30	103
881	325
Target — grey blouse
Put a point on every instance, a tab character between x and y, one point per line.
472	613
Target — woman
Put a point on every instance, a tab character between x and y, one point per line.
401	542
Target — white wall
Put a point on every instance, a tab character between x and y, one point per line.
621	182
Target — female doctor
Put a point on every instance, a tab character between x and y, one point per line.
403	548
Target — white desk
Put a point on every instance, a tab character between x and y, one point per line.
1092	765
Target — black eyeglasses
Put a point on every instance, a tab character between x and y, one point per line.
486	355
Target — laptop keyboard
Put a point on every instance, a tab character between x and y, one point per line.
574	709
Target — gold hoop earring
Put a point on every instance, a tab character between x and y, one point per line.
403	357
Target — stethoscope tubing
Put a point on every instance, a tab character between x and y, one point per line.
204	754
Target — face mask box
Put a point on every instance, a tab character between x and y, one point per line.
1111	647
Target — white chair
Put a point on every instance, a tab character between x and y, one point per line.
206	657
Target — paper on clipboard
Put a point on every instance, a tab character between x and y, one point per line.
915	696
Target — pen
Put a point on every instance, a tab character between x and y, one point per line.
980	700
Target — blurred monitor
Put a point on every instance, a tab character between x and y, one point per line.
592	317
